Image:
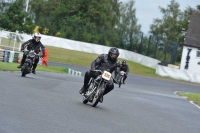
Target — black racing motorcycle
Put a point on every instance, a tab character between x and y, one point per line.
121	78
30	60
96	88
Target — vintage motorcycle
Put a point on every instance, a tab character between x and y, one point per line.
96	88
121	78
28	64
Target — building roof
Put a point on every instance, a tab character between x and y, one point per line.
192	38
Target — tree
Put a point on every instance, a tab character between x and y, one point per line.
129	30
89	20
13	18
168	26
198	7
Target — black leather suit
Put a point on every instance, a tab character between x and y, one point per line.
32	45
103	62
125	69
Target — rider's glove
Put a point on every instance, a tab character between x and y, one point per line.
41	56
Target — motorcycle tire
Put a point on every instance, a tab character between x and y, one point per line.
98	95
120	81
24	69
85	100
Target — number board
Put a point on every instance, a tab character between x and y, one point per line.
106	75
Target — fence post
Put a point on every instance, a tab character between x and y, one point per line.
173	55
165	52
155	51
0	37
148	46
140	48
14	42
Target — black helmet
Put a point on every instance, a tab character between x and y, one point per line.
124	62
114	51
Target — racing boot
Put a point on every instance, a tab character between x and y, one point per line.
101	99
123	82
20	66
33	71
82	90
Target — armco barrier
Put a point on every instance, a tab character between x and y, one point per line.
73	72
1	54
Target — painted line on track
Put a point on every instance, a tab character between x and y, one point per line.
192	102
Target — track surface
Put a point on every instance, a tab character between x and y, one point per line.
50	103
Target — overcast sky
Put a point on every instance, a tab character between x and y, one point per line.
147	10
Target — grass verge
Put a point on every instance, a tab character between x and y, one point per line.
191	96
83	59
13	67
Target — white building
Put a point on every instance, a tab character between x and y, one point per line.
191	51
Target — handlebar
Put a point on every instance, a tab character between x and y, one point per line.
27	52
96	71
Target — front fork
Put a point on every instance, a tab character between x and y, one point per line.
29	62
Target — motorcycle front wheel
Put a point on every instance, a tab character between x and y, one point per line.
120	81
98	95
85	100
24	69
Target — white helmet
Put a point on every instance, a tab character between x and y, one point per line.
37	36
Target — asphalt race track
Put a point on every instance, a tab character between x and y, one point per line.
50	103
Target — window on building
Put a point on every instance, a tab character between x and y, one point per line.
198	53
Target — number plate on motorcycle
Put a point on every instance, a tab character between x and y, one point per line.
106	75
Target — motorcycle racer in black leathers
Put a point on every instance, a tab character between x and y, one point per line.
107	62
32	44
124	67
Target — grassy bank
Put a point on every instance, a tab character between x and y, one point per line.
13	67
191	96
85	59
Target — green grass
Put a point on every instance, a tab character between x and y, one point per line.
83	59
13	67
191	96
70	56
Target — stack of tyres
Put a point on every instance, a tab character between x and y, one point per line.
2	55
11	56
16	56
6	56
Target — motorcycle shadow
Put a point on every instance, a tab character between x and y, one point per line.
88	105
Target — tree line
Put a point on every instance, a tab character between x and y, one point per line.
105	22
